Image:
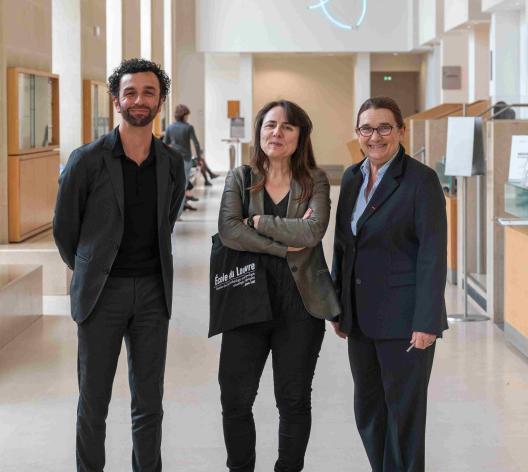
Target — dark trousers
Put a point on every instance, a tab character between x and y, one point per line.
390	401
295	347
134	309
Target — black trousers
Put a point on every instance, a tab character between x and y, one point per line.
390	401
295	347
134	309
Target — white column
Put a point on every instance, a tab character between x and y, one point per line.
505	50
478	63
433	85
361	80
246	93
523	52
222	83
66	61
167	48
454	52
145	19
114	34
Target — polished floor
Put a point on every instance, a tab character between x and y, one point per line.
478	408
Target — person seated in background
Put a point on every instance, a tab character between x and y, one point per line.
501	111
205	170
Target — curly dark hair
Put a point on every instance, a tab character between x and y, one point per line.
133	66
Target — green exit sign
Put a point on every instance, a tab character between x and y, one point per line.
387	78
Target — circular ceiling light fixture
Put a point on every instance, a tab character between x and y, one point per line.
323	6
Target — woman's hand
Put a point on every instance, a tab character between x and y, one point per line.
256	219
422	340
340	333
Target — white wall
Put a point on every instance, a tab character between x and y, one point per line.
524	64
188	68
505	47
495	5
395	62
66	61
454	52
427	13
361	80
460	12
433	77
222	83
290	26
456	12
478	63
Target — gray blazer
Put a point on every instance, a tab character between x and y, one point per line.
275	234
179	136
89	217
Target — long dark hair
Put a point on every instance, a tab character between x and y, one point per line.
302	160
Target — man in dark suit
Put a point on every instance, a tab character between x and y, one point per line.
389	269
115	212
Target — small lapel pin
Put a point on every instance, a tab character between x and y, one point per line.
373	207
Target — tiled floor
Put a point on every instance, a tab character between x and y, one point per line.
478	409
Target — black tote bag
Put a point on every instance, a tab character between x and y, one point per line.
238	288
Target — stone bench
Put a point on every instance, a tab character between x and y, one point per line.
20	299
40	250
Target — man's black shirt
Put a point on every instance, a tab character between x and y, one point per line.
138	253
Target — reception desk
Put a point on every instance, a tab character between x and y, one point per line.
516	286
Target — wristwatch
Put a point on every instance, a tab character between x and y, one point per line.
251	222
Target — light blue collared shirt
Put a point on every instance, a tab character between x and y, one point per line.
362	200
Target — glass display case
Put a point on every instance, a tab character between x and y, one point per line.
97	110
516	199
33	110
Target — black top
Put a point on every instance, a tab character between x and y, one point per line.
138	253
179	136
286	302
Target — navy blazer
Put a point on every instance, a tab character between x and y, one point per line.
391	276
89	217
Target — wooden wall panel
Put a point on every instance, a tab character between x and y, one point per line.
355	151
516	278
33	186
451	210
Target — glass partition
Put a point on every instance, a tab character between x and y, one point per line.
35	111
100	110
516	199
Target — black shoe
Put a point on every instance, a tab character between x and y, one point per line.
192	198
212	175
189	207
208	184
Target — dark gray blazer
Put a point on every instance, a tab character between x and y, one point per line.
179	136
275	234
89	217
391	276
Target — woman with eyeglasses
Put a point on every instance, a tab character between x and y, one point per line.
389	268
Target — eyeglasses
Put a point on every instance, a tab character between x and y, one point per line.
367	131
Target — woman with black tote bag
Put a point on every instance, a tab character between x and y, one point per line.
287	217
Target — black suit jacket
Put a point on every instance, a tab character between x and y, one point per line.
89	217
391	276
